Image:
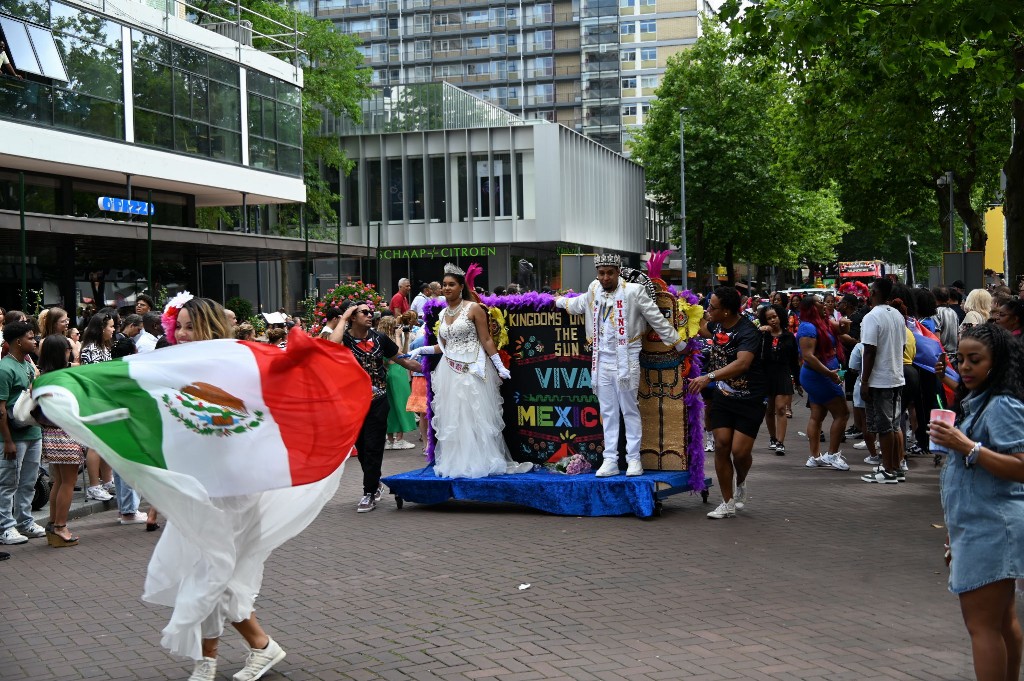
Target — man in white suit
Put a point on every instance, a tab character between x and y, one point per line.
617	315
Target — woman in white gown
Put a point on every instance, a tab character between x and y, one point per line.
467	419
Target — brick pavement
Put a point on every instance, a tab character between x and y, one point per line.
822	577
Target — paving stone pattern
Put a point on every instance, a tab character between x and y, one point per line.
821	577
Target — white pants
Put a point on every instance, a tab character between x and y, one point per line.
613	401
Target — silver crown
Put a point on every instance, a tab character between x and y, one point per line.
607	260
452	268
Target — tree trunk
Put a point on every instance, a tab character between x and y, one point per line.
1013	201
975	222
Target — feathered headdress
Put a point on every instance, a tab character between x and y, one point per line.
472	272
169	319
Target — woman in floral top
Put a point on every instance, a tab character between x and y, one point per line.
96	343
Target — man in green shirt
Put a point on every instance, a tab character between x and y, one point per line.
23	447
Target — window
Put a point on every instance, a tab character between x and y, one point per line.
629	110
33	50
629	83
442	46
627	28
649	26
627	3
275	124
476	42
648	53
441	20
648	3
477	17
648	82
645	109
627	55
189	101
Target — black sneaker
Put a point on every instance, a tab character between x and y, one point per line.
772	443
780	449
854	433
880	476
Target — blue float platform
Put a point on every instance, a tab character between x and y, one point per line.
580	495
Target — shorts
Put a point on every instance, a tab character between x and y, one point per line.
741	415
882	412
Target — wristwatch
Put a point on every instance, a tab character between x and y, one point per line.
711	376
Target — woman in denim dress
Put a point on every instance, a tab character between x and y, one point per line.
983	497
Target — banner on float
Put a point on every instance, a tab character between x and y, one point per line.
551	411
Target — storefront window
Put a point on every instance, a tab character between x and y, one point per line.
416	189
42	193
438	195
396	193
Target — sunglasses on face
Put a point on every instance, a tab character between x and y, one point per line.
365	312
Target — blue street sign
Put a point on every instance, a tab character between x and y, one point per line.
125	206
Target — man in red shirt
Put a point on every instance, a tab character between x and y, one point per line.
400	302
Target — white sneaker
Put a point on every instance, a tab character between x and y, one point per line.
863	444
205	670
34	531
259	662
12	536
818	462
726	509
110	488
634	468
740	498
137	518
838	462
97	493
903	465
709	442
521	467
609	468
402	444
389	444
873	460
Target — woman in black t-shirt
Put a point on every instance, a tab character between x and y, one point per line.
737	410
781	362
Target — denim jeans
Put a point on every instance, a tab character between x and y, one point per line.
18	485
127	498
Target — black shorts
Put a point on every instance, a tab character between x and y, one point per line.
742	415
780	381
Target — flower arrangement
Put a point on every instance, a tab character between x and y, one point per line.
571	465
349	290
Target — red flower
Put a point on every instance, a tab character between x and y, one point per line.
721	338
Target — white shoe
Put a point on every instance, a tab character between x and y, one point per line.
110	488
389	444
12	536
873	460
259	662
609	468
97	493
137	518
34	531
709	442
727	509
634	468
402	444
818	462
863	444
903	465
522	467
838	462
740	498
205	670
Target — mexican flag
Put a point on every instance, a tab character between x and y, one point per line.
239	417
238	444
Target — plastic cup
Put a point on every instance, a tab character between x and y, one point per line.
942	416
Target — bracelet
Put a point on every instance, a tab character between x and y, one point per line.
972	456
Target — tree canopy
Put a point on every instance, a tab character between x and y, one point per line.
743	199
895	93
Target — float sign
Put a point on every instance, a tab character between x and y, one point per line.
550	409
125	206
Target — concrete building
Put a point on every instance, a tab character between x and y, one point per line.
125	101
443	176
592	65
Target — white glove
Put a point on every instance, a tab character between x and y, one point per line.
502	371
425	350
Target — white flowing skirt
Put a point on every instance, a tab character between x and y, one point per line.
467	422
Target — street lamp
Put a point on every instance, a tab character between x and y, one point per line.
682	199
910	253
